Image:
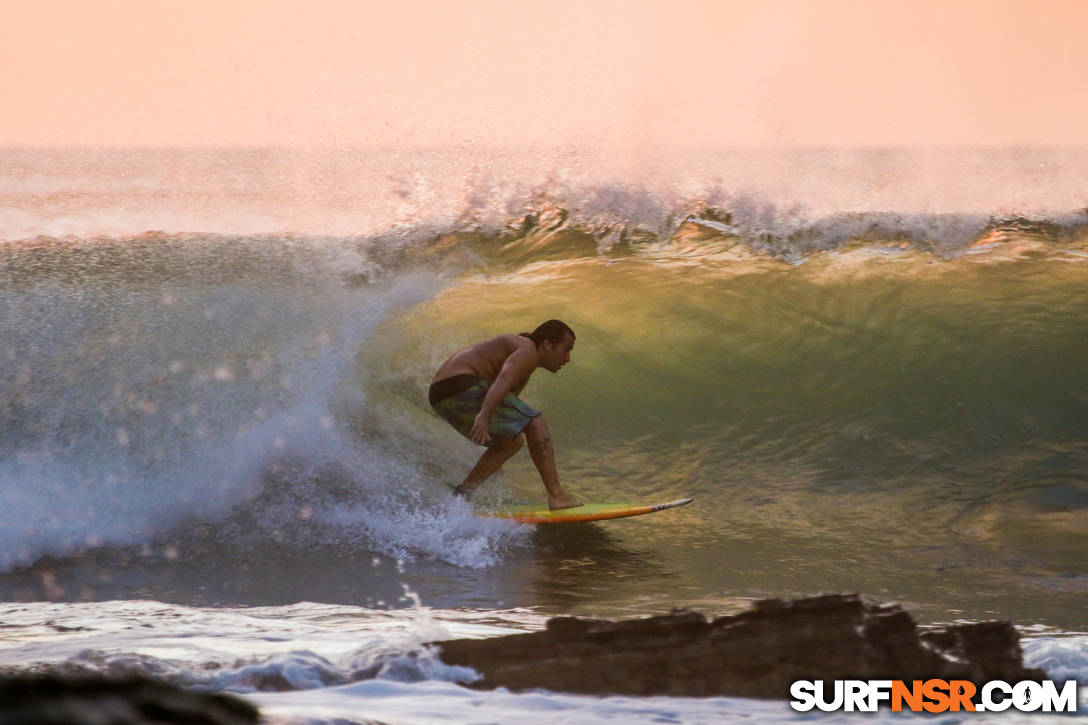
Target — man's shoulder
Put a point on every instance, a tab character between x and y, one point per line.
519	340
511	341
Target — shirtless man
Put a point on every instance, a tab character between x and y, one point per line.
476	392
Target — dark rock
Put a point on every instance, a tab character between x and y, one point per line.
757	653
56	700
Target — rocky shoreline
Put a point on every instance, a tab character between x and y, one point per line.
755	654
53	699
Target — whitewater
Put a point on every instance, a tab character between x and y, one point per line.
218	465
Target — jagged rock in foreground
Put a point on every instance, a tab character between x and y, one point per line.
757	653
57	700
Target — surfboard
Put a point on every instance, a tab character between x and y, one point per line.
585	512
536	514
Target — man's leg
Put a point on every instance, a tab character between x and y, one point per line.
489	462
540	448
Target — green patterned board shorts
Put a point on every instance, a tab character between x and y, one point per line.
460	409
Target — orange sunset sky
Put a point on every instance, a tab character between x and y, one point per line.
783	73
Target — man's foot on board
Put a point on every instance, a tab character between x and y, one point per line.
566	501
462	492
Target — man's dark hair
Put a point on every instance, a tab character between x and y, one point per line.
553	331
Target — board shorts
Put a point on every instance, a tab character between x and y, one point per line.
458	400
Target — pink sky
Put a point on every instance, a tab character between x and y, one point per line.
605	72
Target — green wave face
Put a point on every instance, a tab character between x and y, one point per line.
859	421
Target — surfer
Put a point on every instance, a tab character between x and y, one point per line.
476	392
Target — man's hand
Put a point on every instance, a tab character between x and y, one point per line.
478	433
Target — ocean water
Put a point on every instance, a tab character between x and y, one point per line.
217	463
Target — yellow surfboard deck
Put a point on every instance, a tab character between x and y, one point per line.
585	512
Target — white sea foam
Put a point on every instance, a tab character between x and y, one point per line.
444	531
439	702
1062	658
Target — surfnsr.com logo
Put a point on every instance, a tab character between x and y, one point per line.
933	696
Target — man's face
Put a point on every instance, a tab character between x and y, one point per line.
556	356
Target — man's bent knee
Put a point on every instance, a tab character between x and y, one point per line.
537	427
537	433
511	446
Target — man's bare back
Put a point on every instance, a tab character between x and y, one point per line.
485	359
